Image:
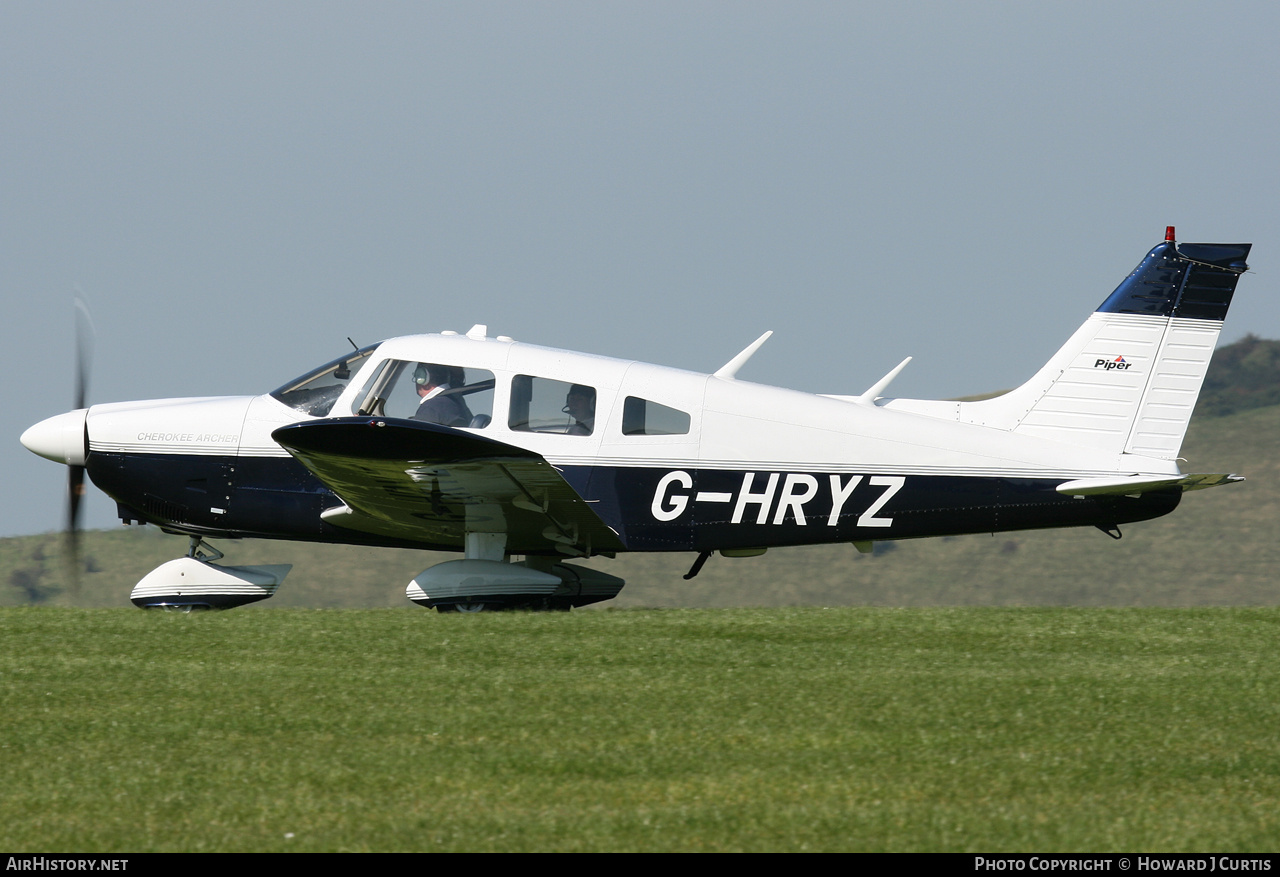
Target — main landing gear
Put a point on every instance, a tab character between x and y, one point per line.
484	581
466	586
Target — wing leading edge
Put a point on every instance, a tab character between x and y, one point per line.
420	481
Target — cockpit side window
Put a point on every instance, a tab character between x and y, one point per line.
642	417
544	405
432	392
315	392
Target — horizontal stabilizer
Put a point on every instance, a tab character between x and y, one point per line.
1136	484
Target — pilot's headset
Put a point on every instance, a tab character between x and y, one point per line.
580	390
430	375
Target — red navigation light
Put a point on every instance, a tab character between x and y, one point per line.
1168	233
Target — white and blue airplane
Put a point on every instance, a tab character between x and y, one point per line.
523	457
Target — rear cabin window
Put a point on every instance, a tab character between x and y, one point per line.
544	405
643	417
432	392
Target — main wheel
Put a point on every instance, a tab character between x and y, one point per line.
464	607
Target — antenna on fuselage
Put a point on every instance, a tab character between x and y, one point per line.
729	370
869	397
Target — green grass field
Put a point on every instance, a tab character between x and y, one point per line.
976	729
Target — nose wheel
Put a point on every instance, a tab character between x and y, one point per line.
195	582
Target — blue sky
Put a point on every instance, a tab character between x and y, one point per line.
239	187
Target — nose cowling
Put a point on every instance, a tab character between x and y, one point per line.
61	438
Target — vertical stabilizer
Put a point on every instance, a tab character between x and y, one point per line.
1128	379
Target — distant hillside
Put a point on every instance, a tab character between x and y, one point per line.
1241	376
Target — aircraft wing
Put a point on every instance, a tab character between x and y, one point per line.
407	479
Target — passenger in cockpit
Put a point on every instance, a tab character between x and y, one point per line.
439	405
580	404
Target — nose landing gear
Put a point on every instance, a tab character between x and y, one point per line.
195	582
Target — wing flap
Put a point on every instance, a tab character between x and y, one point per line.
408	479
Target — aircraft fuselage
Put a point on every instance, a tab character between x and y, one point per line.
755	466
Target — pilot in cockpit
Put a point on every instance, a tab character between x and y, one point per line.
439	405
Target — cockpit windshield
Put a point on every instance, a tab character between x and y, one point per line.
315	392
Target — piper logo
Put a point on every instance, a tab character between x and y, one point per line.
1109	364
